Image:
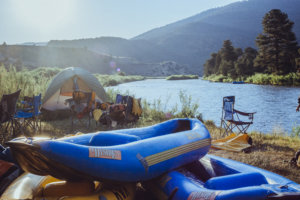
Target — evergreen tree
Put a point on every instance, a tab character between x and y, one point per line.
226	67
244	66
238	52
228	56
228	52
277	44
210	65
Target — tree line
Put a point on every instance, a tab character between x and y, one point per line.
278	51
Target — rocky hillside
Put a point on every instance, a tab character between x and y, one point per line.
45	56
190	41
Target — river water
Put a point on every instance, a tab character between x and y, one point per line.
275	106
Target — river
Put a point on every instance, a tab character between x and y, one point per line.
275	106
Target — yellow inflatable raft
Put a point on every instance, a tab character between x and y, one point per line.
30	186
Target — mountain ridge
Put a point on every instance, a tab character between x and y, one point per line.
190	41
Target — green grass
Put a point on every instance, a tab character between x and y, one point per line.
112	80
30	82
36	81
182	77
291	79
218	78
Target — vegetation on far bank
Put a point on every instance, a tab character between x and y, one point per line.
112	80
276	62
291	79
36	81
182	77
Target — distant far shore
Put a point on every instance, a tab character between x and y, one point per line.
291	79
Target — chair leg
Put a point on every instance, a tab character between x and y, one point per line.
227	128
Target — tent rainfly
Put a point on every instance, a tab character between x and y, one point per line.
62	87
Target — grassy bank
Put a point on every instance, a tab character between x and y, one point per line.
291	79
112	80
36	81
182	77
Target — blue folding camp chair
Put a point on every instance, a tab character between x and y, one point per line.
232	118
29	116
7	110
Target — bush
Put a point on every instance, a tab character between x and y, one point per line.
270	79
182	77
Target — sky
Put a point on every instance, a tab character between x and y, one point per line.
43	20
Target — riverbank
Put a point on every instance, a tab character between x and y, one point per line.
291	79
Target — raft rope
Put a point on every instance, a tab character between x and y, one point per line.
177	151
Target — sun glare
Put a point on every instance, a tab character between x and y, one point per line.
44	15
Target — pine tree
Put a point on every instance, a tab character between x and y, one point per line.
210	65
228	52
228	56
277	44
244	64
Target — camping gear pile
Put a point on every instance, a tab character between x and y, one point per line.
79	92
126	109
76	91
68	81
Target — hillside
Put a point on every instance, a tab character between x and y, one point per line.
191	41
45	56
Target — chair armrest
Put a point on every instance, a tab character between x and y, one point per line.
243	113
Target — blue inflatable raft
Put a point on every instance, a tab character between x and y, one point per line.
215	178
123	155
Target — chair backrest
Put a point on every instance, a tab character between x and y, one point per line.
8	106
119	98
36	104
228	106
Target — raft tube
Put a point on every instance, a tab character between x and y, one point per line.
127	155
30	186
215	178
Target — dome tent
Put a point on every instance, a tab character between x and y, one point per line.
62	87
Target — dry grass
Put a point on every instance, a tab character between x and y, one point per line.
271	152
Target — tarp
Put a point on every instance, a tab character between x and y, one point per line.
62	87
233	142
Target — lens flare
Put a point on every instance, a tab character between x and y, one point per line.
112	64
